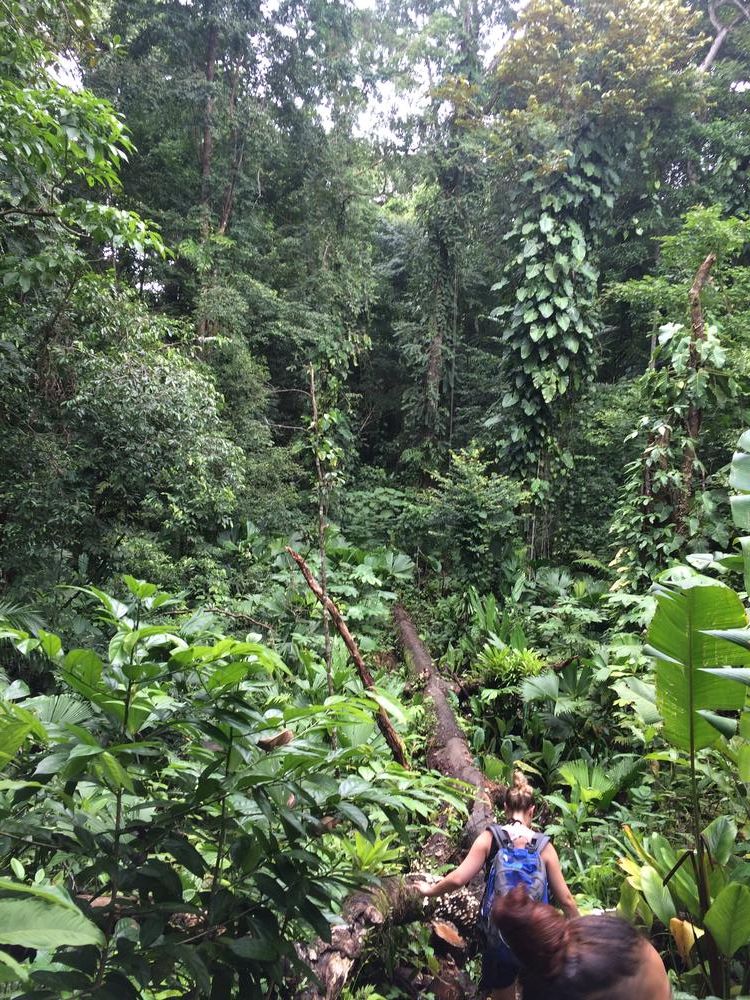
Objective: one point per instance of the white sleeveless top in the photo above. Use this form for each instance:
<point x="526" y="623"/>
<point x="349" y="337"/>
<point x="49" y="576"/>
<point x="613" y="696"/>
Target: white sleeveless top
<point x="517" y="830"/>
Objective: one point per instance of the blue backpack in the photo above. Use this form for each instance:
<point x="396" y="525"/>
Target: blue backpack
<point x="511" y="866"/>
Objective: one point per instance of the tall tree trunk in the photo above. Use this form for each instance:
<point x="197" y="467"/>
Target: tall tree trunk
<point x="207" y="144"/>
<point x="238" y="152"/>
<point x="434" y="372"/>
<point x="440" y="309"/>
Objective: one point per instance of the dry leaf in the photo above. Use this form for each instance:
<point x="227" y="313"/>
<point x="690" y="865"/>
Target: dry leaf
<point x="279" y="740"/>
<point x="685" y="935"/>
<point x="447" y="932"/>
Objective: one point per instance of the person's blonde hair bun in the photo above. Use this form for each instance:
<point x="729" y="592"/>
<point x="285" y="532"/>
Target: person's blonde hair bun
<point x="521" y="782"/>
<point x="520" y="794"/>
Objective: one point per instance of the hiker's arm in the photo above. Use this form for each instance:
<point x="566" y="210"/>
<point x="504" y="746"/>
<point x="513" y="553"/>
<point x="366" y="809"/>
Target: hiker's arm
<point x="465" y="872"/>
<point x="557" y="882"/>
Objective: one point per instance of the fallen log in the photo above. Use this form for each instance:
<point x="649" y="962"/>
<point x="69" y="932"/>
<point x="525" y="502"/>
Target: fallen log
<point x="395" y="902"/>
<point x="448" y="750"/>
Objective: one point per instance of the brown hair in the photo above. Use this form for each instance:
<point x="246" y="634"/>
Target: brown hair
<point x="581" y="959"/>
<point x="520" y="795"/>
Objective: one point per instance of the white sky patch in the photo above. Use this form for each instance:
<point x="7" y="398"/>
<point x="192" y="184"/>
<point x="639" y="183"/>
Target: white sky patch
<point x="67" y="73"/>
<point x="389" y="103"/>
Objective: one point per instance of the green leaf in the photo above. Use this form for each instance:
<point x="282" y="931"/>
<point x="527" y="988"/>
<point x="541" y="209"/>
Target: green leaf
<point x="545" y="687"/>
<point x="678" y="638"/>
<point x="739" y="675"/>
<point x="719" y="836"/>
<point x="13" y="733"/>
<point x="51" y="645"/>
<point x="48" y="893"/>
<point x="728" y="919"/>
<point x="739" y="474"/>
<point x="35" y="923"/>
<point x="741" y="511"/>
<point x="657" y="895"/>
<point x="546" y="223"/>
<point x="82" y="670"/>
<point x="252" y="949"/>
<point x="12" y="971"/>
<point x="727" y="727"/>
<point x="536" y="332"/>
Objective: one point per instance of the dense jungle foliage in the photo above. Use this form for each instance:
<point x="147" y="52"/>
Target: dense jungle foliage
<point x="452" y="297"/>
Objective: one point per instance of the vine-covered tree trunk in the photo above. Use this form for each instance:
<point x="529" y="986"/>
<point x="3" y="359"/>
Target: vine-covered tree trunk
<point x="694" y="415"/>
<point x="439" y="308"/>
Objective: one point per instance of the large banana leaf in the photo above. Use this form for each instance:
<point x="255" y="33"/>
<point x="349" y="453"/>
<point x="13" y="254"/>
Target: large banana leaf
<point x="739" y="479"/>
<point x="688" y="608"/>
<point x="729" y="918"/>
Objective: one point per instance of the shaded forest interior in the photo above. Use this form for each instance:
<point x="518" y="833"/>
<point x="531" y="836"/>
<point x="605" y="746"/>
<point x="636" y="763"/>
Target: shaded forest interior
<point x="374" y="383"/>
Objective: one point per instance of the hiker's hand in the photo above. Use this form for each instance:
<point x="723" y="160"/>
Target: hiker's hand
<point x="425" y="888"/>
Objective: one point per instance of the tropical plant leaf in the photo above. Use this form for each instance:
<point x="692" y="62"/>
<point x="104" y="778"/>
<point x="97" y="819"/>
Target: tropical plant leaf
<point x="11" y="971"/>
<point x="739" y="479"/>
<point x="589" y="779"/>
<point x="680" y="640"/>
<point x="728" y="919"/>
<point x="719" y="837"/>
<point x="36" y="923"/>
<point x="657" y="895"/>
<point x="21" y="616"/>
<point x="546" y="687"/>
<point x="726" y="726"/>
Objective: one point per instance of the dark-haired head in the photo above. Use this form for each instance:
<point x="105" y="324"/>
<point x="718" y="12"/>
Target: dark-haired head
<point x="588" y="958"/>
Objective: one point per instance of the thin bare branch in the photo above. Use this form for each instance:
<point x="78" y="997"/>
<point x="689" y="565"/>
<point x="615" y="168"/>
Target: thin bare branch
<point x="384" y="723"/>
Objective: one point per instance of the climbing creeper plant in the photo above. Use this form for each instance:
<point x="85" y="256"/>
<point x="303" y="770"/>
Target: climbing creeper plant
<point x="698" y="376"/>
<point x="552" y="318"/>
<point x="607" y="74"/>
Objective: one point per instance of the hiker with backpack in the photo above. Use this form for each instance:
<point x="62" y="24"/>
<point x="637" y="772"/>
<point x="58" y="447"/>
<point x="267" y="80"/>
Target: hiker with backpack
<point x="513" y="855"/>
<point x="588" y="958"/>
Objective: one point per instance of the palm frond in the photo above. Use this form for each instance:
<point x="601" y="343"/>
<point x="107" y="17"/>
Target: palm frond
<point x="21" y="616"/>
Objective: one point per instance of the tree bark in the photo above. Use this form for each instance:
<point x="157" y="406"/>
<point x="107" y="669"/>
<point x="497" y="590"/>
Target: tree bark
<point x="238" y="145"/>
<point x="723" y="30"/>
<point x="207" y="145"/>
<point x="393" y="904"/>
<point x="322" y="525"/>
<point x="448" y="750"/>
<point x="384" y="723"/>
<point x="434" y="372"/>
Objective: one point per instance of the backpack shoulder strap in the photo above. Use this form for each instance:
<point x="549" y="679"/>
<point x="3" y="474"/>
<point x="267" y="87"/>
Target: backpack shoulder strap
<point x="502" y="834"/>
<point x="500" y="839"/>
<point x="539" y="842"/>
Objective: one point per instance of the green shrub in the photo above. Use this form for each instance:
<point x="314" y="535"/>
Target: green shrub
<point x="505" y="667"/>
